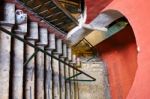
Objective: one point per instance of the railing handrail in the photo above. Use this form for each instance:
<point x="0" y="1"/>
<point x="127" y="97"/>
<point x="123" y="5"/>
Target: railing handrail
<point x="39" y="49"/>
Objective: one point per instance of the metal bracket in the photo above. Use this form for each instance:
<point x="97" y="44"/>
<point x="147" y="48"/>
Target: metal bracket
<point x="81" y="80"/>
<point x="30" y="58"/>
<point x="75" y="75"/>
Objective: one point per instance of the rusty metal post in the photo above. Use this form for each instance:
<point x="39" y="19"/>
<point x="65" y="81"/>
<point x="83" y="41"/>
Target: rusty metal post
<point x="73" y="72"/>
<point x="76" y="87"/>
<point x="48" y="82"/>
<point x="70" y="72"/>
<point x="56" y="69"/>
<point x="72" y="83"/>
<point x="55" y="65"/>
<point x="67" y="82"/>
<point x="18" y="55"/>
<point x="62" y="79"/>
<point x="43" y="35"/>
<point x="62" y="71"/>
<point x="65" y="55"/>
<point x="5" y="48"/>
<point x="30" y="66"/>
<point x="74" y="91"/>
<point x="78" y="63"/>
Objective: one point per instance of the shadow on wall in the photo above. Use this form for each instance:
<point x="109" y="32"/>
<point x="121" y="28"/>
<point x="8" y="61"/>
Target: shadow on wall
<point x="120" y="54"/>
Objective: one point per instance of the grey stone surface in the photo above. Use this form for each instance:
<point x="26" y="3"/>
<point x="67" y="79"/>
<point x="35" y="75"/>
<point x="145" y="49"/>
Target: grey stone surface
<point x="93" y="90"/>
<point x="55" y="66"/>
<point x="5" y="39"/>
<point x="48" y="78"/>
<point x="29" y="72"/>
<point x="18" y="59"/>
<point x="40" y="74"/>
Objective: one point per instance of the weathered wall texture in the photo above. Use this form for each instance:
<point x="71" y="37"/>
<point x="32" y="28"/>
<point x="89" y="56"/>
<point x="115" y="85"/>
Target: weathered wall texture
<point x="120" y="54"/>
<point x="94" y="7"/>
<point x="137" y="13"/>
<point x="92" y="90"/>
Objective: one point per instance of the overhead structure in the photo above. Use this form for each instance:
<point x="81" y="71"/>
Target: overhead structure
<point x="74" y="7"/>
<point x="56" y="13"/>
<point x="37" y="61"/>
<point x="101" y="24"/>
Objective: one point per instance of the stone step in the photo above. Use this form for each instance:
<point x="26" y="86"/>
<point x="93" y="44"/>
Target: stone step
<point x="26" y="72"/>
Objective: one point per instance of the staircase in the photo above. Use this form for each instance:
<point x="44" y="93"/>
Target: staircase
<point x="36" y="63"/>
<point x="33" y="61"/>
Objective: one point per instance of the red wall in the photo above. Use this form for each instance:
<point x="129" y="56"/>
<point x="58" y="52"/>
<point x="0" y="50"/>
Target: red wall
<point x="120" y="54"/>
<point x="138" y="14"/>
<point x="94" y="7"/>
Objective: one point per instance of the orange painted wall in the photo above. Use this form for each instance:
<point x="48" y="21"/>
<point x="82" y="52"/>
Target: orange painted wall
<point x="120" y="54"/>
<point x="138" y="14"/>
<point x="94" y="7"/>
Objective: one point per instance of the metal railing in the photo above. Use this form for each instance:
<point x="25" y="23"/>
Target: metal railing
<point x="45" y="52"/>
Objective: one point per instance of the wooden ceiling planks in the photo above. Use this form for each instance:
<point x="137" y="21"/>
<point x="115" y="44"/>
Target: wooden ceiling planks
<point x="53" y="13"/>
